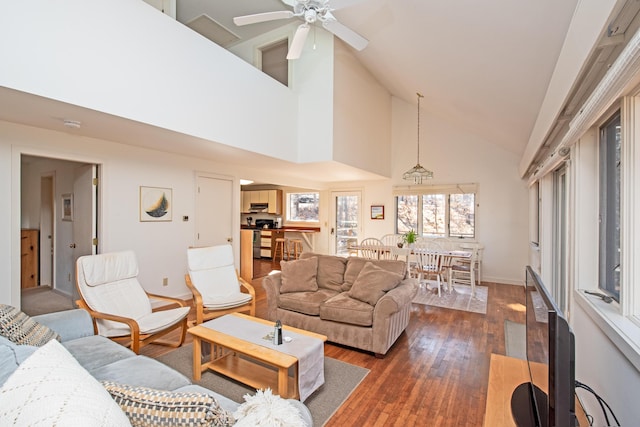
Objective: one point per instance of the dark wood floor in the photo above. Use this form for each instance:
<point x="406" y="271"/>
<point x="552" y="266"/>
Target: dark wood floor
<point x="435" y="374"/>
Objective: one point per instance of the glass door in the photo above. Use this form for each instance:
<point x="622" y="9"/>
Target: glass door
<point x="346" y="220"/>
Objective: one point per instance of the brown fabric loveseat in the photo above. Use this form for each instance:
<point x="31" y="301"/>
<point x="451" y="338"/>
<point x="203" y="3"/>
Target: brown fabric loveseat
<point x="354" y="301"/>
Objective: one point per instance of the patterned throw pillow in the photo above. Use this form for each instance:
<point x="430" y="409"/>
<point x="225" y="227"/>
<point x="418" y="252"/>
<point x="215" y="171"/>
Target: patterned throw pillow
<point x="19" y="328"/>
<point x="148" y="407"/>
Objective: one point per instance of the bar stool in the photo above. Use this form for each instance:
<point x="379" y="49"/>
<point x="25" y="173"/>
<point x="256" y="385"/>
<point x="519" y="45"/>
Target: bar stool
<point x="282" y="245"/>
<point x="295" y="246"/>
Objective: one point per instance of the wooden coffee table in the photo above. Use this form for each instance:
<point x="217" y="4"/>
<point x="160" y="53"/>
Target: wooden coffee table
<point x="251" y="364"/>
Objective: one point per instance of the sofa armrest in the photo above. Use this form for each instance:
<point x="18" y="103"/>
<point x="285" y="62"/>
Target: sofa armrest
<point x="271" y="284"/>
<point x="69" y="324"/>
<point x="397" y="298"/>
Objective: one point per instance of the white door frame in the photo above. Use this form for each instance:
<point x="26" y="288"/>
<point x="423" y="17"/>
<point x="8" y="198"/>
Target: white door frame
<point x="333" y="219"/>
<point x="16" y="195"/>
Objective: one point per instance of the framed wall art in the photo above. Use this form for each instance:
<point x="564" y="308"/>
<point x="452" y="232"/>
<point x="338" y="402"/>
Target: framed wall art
<point x="377" y="211"/>
<point x="67" y="207"/>
<point x="156" y="204"/>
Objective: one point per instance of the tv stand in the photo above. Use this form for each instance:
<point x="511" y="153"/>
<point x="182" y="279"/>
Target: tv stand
<point x="505" y="375"/>
<point x="522" y="406"/>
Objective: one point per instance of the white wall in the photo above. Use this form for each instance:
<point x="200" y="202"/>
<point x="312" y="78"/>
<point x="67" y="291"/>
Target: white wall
<point x="160" y="246"/>
<point x="310" y="80"/>
<point x="362" y="115"/>
<point x="98" y="54"/>
<point x="456" y="156"/>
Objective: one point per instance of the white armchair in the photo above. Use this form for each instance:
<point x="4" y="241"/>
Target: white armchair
<point x="120" y="307"/>
<point x="215" y="283"/>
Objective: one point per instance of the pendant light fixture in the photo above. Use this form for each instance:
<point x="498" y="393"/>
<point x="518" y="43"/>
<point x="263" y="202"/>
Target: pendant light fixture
<point x="418" y="174"/>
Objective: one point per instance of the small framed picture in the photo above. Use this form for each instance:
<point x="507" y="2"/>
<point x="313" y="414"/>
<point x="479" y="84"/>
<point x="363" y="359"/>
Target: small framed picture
<point x="156" y="204"/>
<point x="67" y="207"/>
<point x="377" y="211"/>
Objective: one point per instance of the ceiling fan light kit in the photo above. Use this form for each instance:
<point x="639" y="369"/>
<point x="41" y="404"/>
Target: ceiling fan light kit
<point x="418" y="174"/>
<point x="310" y="11"/>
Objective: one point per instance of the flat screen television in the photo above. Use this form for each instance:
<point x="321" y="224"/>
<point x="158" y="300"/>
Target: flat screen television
<point x="548" y="399"/>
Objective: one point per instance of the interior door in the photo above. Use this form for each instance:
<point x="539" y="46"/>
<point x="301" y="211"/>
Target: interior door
<point x="84" y="240"/>
<point x="346" y="220"/>
<point x="214" y="210"/>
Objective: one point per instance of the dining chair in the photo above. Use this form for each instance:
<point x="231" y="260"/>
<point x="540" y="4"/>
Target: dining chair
<point x="120" y="307"/>
<point x="464" y="272"/>
<point x="392" y="240"/>
<point x="371" y="248"/>
<point x="215" y="283"/>
<point x="430" y="265"/>
<point x="478" y="260"/>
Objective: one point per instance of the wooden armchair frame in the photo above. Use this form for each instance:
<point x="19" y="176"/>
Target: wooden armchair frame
<point x="203" y="313"/>
<point x="137" y="340"/>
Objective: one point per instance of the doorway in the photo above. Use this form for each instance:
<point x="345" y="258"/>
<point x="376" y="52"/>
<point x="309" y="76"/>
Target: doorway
<point x="59" y="198"/>
<point x="346" y="220"/>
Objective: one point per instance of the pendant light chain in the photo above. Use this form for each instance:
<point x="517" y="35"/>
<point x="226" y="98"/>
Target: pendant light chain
<point x="418" y="174"/>
<point x="419" y="97"/>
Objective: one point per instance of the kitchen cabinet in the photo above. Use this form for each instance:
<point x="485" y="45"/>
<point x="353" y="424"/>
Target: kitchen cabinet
<point x="265" y="243"/>
<point x="271" y="197"/>
<point x="246" y="201"/>
<point x="246" y="255"/>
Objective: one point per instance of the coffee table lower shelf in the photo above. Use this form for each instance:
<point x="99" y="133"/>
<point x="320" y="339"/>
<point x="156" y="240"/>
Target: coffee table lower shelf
<point x="255" y="374"/>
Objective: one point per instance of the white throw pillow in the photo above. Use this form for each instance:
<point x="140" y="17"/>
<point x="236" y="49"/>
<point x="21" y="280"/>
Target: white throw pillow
<point x="51" y="388"/>
<point x="265" y="409"/>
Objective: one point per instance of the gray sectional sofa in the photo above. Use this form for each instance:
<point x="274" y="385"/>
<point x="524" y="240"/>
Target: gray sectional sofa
<point x="354" y="301"/>
<point x="106" y="360"/>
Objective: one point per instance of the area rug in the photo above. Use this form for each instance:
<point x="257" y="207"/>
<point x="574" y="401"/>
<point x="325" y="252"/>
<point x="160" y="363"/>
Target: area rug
<point x="459" y="299"/>
<point x="341" y="379"/>
<point x="515" y="340"/>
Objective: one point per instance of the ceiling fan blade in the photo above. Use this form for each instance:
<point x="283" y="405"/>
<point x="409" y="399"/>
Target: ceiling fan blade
<point x="298" y="41"/>
<point x="346" y="34"/>
<point x="290" y="2"/>
<point x="262" y="17"/>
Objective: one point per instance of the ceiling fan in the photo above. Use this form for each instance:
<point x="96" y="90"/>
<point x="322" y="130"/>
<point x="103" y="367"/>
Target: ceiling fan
<point x="311" y="11"/>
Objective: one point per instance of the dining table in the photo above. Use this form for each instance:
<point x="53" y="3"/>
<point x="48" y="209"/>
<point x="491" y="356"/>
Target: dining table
<point x="408" y="251"/>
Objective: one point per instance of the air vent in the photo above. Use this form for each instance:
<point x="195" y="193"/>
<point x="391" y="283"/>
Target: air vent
<point x="209" y="28"/>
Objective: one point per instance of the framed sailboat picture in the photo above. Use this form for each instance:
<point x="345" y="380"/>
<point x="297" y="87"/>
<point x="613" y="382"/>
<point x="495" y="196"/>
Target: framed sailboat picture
<point x="156" y="204"/>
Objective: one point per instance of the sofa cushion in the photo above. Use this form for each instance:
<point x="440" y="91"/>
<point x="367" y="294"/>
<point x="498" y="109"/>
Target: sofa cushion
<point x="299" y="275"/>
<point x="22" y="329"/>
<point x="330" y="270"/>
<point x="148" y="407"/>
<point x="97" y="351"/>
<point x="305" y="302"/>
<point x="372" y="283"/>
<point x="142" y="371"/>
<point x="355" y="264"/>
<point x="51" y="388"/>
<point x="342" y="308"/>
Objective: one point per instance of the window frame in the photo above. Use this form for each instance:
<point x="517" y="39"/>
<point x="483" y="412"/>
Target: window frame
<point x="609" y="176"/>
<point x="287" y="195"/>
<point x="447" y="191"/>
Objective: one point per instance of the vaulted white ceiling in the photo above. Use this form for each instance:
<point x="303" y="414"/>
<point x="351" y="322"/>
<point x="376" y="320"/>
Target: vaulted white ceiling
<point x="483" y="65"/>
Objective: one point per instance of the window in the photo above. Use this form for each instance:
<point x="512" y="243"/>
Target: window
<point x="303" y="207"/>
<point x="274" y="61"/>
<point x="444" y="211"/>
<point x="609" y="218"/>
